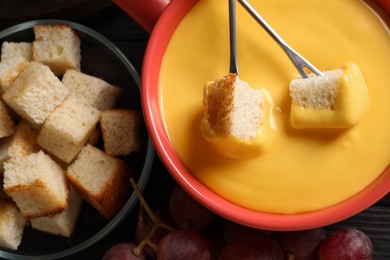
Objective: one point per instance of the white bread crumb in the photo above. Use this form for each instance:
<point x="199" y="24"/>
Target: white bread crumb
<point x="317" y="92"/>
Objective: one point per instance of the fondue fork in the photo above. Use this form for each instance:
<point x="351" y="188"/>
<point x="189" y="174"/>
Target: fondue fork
<point x="232" y="37"/>
<point x="298" y="60"/>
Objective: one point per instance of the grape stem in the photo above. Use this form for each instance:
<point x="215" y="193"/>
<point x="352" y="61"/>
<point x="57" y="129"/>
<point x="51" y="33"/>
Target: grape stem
<point x="157" y="222"/>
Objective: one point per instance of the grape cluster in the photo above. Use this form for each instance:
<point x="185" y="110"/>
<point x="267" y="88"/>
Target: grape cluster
<point x="190" y="231"/>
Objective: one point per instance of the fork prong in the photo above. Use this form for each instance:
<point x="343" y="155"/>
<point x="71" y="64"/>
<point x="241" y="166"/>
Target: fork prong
<point x="299" y="62"/>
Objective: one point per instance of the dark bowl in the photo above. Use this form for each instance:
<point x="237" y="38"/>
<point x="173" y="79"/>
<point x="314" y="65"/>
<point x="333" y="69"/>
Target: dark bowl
<point x="103" y="59"/>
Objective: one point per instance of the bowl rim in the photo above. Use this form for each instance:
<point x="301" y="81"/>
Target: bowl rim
<point x="149" y="157"/>
<point x="158" y="42"/>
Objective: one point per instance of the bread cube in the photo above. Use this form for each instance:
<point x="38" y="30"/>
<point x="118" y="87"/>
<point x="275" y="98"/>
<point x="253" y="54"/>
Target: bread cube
<point x="68" y="129"/>
<point x="37" y="184"/>
<point x="121" y="131"/>
<point x="7" y="125"/>
<point x="35" y="93"/>
<point x="93" y="90"/>
<point x="9" y="71"/>
<point x="12" y="50"/>
<point x="15" y="56"/>
<point x="337" y="99"/>
<point x="64" y="223"/>
<point x="235" y="120"/>
<point x="102" y="180"/>
<point x="12" y="225"/>
<point x="56" y="46"/>
<point x="22" y="142"/>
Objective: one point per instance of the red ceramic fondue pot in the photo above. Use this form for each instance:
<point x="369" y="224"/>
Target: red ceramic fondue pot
<point x="160" y="18"/>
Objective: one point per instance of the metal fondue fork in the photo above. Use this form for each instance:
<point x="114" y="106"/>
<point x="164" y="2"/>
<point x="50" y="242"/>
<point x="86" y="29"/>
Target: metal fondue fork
<point x="232" y="37"/>
<point x="299" y="62"/>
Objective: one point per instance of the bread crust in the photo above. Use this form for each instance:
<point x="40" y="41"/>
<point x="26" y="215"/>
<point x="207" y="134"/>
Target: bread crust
<point x="23" y="193"/>
<point x="218" y="104"/>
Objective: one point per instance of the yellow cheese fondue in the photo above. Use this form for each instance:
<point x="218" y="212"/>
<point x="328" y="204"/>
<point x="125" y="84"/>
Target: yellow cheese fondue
<point x="304" y="170"/>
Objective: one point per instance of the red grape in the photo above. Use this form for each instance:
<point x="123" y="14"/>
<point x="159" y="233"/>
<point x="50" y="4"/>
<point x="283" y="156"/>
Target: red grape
<point x="186" y="212"/>
<point x="346" y="243"/>
<point x="303" y="245"/>
<point x="232" y="231"/>
<point x="183" y="244"/>
<point x="143" y="229"/>
<point x="253" y="246"/>
<point x="213" y="235"/>
<point x="122" y="251"/>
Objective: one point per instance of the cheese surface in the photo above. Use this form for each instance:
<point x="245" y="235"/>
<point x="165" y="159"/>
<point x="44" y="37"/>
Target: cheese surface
<point x="304" y="170"/>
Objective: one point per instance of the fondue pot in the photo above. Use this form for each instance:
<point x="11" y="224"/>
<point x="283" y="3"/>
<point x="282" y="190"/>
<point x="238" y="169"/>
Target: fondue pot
<point x="160" y="18"/>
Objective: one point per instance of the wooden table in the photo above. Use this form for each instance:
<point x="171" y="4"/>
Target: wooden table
<point x="112" y="22"/>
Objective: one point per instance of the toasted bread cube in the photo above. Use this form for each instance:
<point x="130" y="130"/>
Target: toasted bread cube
<point x="7" y="125"/>
<point x="102" y="180"/>
<point x="64" y="223"/>
<point x="35" y="93"/>
<point x="235" y="121"/>
<point x="56" y="46"/>
<point x="9" y="71"/>
<point x="121" y="131"/>
<point x="22" y="142"/>
<point x="232" y="108"/>
<point x="37" y="184"/>
<point x="93" y="90"/>
<point x="12" y="225"/>
<point x="15" y="56"/>
<point x="12" y="50"/>
<point x="337" y="99"/>
<point x="68" y="129"/>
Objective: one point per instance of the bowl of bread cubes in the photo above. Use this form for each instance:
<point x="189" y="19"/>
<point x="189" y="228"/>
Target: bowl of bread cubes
<point x="71" y="137"/>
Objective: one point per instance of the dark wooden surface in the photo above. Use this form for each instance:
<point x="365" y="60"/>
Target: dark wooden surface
<point x="109" y="20"/>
